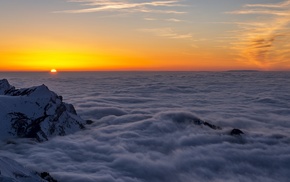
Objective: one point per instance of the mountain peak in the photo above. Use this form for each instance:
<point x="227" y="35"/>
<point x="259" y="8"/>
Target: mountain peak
<point x="35" y="112"/>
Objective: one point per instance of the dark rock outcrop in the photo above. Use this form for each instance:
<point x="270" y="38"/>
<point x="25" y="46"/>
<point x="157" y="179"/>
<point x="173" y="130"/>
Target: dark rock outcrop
<point x="46" y="176"/>
<point x="211" y="126"/>
<point x="236" y="132"/>
<point x="89" y="122"/>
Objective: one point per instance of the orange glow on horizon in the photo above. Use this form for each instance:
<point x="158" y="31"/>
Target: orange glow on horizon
<point x="32" y="59"/>
<point x="85" y="62"/>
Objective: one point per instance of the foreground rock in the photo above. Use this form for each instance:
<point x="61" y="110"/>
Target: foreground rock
<point x="35" y="112"/>
<point x="12" y="171"/>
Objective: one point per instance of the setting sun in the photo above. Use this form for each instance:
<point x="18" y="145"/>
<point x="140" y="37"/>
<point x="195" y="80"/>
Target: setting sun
<point x="53" y="71"/>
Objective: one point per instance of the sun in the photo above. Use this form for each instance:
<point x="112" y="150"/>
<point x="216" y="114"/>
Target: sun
<point x="53" y="71"/>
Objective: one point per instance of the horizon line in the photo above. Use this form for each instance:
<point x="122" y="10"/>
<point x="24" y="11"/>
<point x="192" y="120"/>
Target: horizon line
<point x="60" y="71"/>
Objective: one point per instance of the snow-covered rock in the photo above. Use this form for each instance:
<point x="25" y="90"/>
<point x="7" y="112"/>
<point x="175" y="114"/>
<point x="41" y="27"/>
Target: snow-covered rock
<point x="5" y="86"/>
<point x="12" y="171"/>
<point x="35" y="112"/>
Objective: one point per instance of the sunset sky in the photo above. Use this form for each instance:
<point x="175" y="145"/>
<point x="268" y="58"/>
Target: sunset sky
<point x="77" y="35"/>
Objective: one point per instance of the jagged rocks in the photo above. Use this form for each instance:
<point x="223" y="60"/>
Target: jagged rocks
<point x="35" y="112"/>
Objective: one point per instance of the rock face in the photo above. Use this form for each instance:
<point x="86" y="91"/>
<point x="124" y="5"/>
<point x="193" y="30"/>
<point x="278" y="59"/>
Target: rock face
<point x="35" y="112"/>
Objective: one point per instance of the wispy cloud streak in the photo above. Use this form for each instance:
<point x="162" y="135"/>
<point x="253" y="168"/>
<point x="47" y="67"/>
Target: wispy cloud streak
<point x="278" y="5"/>
<point x="261" y="12"/>
<point x="167" y="32"/>
<point x="171" y="8"/>
<point x="264" y="43"/>
<point x="91" y="6"/>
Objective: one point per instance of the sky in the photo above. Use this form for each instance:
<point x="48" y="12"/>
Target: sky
<point x="186" y="35"/>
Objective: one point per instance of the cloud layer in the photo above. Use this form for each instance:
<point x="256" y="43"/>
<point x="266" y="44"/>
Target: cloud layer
<point x="143" y="129"/>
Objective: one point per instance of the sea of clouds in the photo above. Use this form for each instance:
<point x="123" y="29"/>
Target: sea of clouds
<point x="143" y="127"/>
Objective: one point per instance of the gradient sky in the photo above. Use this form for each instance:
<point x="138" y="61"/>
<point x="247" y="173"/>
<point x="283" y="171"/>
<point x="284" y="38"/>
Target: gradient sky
<point x="144" y="35"/>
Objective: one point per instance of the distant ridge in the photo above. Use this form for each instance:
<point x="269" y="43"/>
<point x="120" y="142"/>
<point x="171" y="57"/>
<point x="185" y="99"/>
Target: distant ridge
<point x="242" y="71"/>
